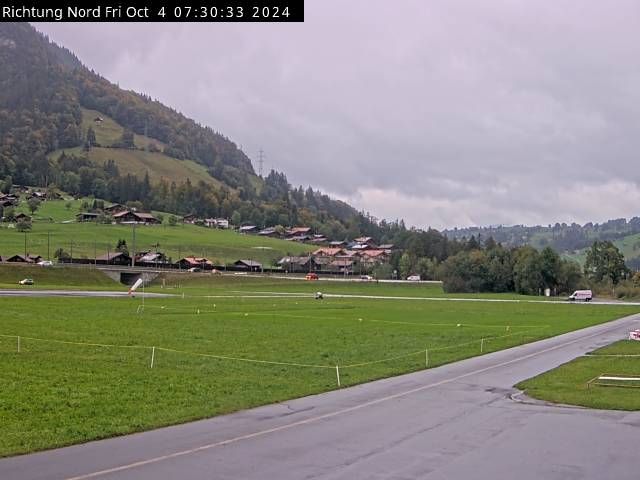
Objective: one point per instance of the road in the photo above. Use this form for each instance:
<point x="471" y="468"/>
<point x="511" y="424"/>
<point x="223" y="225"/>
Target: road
<point x="458" y="421"/>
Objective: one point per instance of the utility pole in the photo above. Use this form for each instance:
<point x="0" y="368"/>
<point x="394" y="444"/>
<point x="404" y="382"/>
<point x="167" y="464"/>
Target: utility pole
<point x="260" y="161"/>
<point x="133" y="250"/>
<point x="49" y="245"/>
<point x="25" y="246"/>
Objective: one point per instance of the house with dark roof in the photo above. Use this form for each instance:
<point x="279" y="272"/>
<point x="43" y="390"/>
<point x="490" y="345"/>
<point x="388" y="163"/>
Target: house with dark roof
<point x="87" y="217"/>
<point x="298" y="231"/>
<point x="29" y="258"/>
<point x="248" y="229"/>
<point x="298" y="264"/>
<point x="342" y="265"/>
<point x="191" y="218"/>
<point x="269" y="232"/>
<point x="249" y="265"/>
<point x="115" y="208"/>
<point x="127" y="216"/>
<point x="216" y="222"/>
<point x="151" y="258"/>
<point x="114" y="258"/>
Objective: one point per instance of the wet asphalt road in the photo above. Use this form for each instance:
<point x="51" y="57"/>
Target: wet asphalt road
<point x="458" y="421"/>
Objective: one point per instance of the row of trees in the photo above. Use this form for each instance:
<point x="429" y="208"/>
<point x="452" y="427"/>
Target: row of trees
<point x="494" y="268"/>
<point x="497" y="269"/>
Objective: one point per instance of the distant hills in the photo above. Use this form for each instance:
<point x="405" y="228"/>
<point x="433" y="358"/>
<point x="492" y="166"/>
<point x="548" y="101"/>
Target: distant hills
<point x="570" y="239"/>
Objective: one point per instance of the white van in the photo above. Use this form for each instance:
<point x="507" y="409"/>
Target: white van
<point x="585" y="295"/>
<point x="413" y="278"/>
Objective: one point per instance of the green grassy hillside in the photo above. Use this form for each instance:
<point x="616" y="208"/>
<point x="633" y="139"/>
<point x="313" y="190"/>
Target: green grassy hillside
<point x="629" y="246"/>
<point x="108" y="131"/>
<point x="136" y="162"/>
<point x="54" y="227"/>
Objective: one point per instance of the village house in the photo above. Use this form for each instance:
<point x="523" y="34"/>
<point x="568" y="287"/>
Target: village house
<point x="249" y="265"/>
<point x="318" y="239"/>
<point x="298" y="264"/>
<point x="374" y="257"/>
<point x="87" y="217"/>
<point x="298" y="231"/>
<point x="191" y="219"/>
<point x="269" y="232"/>
<point x="194" y="262"/>
<point x="328" y="252"/>
<point x="248" y="229"/>
<point x="114" y="258"/>
<point x="29" y="258"/>
<point x="150" y="258"/>
<point x="342" y="266"/>
<point x="216" y="222"/>
<point x="127" y="216"/>
<point x="366" y="241"/>
<point x="115" y="208"/>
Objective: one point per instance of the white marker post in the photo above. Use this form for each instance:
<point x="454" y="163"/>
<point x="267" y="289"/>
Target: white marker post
<point x="338" y="374"/>
<point x="153" y="355"/>
<point x="18" y="344"/>
<point x="426" y="358"/>
<point x="481" y="345"/>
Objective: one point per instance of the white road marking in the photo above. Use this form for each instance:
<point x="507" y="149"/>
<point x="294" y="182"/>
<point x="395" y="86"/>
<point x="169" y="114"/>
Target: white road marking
<point x="332" y="414"/>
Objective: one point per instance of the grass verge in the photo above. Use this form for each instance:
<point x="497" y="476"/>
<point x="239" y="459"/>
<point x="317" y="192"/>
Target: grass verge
<point x="569" y="383"/>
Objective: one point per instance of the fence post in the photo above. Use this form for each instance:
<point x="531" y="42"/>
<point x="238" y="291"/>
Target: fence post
<point x="426" y="358"/>
<point x="338" y="374"/>
<point x="18" y="344"/>
<point x="481" y="345"/>
<point x="153" y="355"/>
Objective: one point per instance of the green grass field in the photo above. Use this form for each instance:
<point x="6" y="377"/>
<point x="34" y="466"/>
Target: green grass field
<point x="215" y="345"/>
<point x="53" y="277"/>
<point x="49" y="233"/>
<point x="569" y="383"/>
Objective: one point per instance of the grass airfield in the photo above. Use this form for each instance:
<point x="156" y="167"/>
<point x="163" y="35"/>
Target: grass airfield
<point x="225" y="343"/>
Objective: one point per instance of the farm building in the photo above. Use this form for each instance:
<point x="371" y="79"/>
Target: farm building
<point x="23" y="259"/>
<point x="298" y="264"/>
<point x="114" y="258"/>
<point x="249" y="265"/>
<point x="128" y="216"/>
<point x="87" y="217"/>
<point x="194" y="262"/>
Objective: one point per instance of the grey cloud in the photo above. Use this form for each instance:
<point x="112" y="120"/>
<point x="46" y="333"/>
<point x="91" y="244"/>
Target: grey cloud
<point x="444" y="113"/>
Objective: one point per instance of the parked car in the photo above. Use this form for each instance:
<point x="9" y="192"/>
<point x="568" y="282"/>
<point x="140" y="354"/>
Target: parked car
<point x="195" y="269"/>
<point x="46" y="263"/>
<point x="413" y="278"/>
<point x="26" y="281"/>
<point x="311" y="276"/>
<point x="366" y="278"/>
<point x="585" y="295"/>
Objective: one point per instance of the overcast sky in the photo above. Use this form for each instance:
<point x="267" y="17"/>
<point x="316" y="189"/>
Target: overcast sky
<point x="444" y="113"/>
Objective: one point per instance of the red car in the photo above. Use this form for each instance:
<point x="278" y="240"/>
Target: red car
<point x="311" y="276"/>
